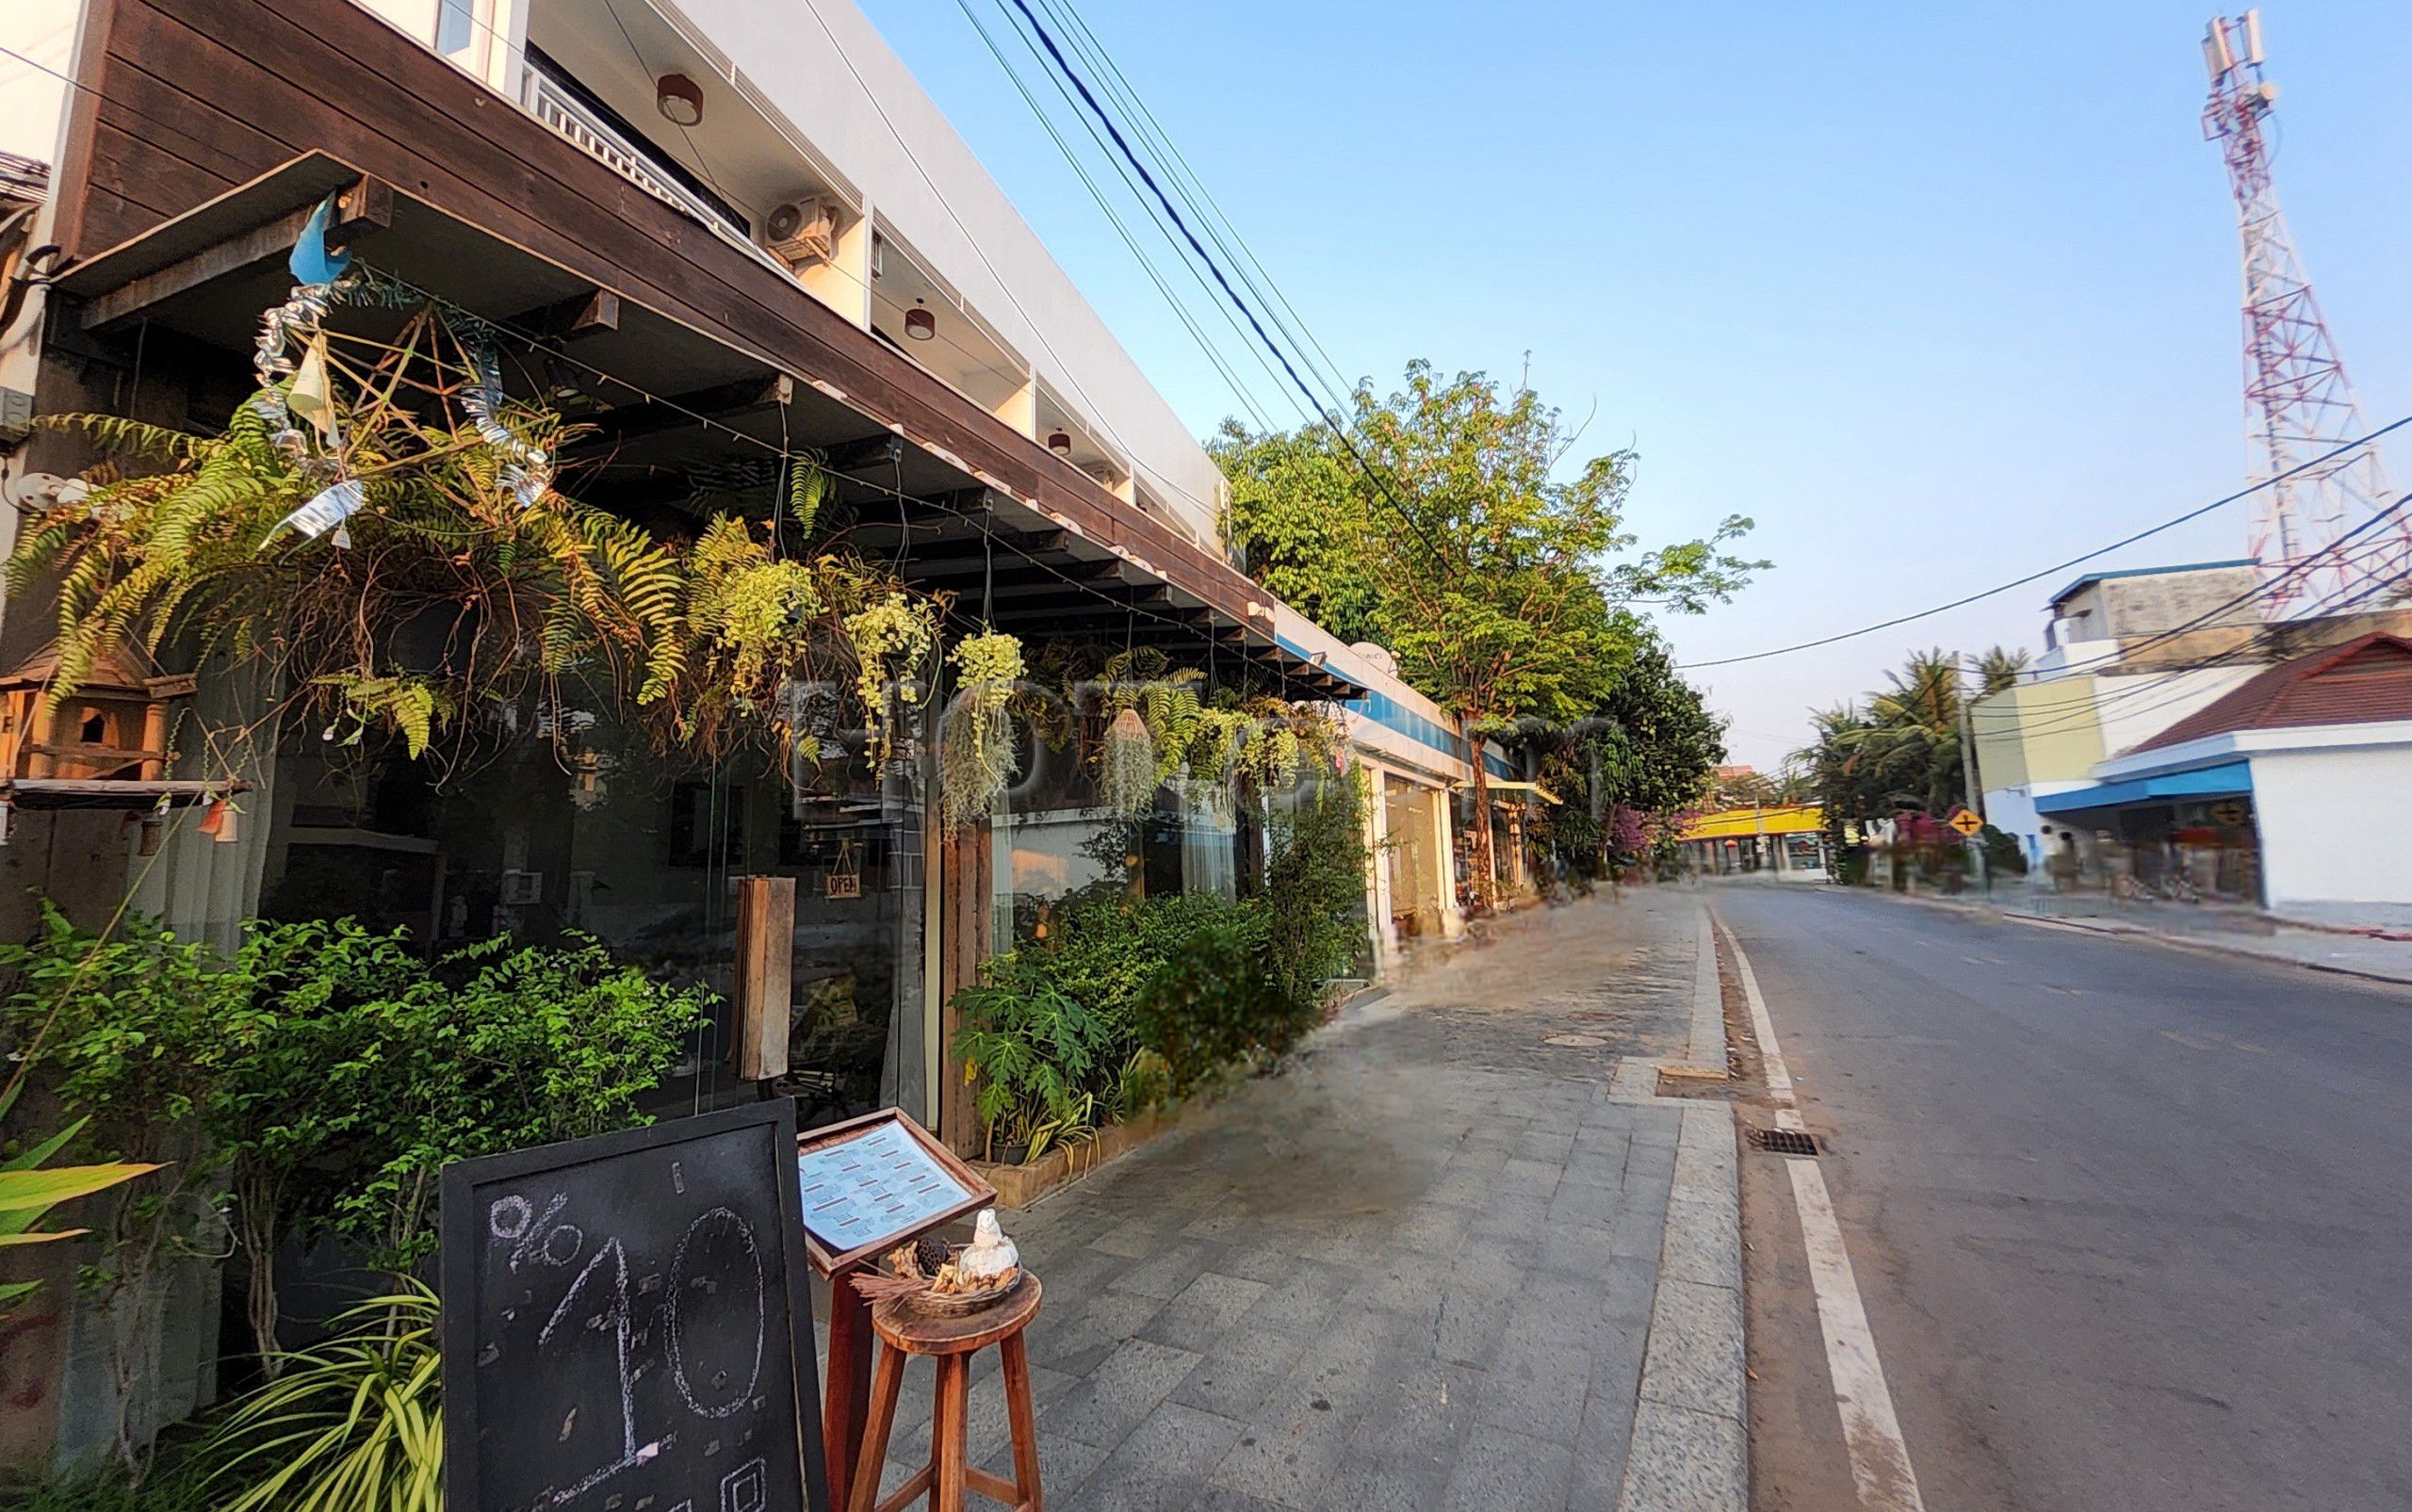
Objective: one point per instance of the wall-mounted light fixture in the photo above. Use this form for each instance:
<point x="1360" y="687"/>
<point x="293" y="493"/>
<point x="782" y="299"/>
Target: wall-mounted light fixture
<point x="919" y="323"/>
<point x="679" y="99"/>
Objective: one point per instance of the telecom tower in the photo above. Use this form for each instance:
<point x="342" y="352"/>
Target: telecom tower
<point x="2298" y="402"/>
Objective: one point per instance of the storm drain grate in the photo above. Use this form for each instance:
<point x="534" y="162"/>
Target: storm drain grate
<point x="1784" y="1140"/>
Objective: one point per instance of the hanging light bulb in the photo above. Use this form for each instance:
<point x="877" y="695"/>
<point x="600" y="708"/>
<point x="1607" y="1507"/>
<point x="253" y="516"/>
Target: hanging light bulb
<point x="1060" y="442"/>
<point x="679" y="99"/>
<point x="919" y="323"/>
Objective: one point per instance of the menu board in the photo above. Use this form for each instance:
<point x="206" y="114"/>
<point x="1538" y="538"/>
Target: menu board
<point x="872" y="1182"/>
<point x="625" y="1324"/>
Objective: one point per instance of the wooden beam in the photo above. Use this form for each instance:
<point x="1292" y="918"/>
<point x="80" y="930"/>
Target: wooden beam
<point x="765" y="956"/>
<point x="883" y="449"/>
<point x="580" y="315"/>
<point x="722" y="401"/>
<point x="367" y="205"/>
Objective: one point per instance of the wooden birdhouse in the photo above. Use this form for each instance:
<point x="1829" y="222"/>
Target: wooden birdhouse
<point x="112" y="729"/>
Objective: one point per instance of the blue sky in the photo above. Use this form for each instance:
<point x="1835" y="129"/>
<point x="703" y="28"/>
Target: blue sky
<point x="1939" y="295"/>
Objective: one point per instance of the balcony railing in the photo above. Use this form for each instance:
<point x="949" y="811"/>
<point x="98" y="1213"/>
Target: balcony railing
<point x="552" y="102"/>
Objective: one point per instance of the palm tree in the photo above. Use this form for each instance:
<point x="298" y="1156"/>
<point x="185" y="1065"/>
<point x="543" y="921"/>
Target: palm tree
<point x="1999" y="668"/>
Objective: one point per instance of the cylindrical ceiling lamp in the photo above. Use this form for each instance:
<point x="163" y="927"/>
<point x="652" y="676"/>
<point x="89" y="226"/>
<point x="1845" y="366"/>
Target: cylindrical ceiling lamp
<point x="1060" y="443"/>
<point x="919" y="323"/>
<point x="679" y="99"/>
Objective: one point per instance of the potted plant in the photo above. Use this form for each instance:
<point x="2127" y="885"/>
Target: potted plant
<point x="1034" y="1051"/>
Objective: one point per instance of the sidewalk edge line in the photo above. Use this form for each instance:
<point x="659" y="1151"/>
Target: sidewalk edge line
<point x="1880" y="1457"/>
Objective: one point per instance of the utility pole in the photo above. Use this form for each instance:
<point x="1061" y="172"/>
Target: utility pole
<point x="1968" y="777"/>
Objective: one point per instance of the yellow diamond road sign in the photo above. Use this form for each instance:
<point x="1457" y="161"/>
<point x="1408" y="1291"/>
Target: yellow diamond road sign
<point x="1966" y="822"/>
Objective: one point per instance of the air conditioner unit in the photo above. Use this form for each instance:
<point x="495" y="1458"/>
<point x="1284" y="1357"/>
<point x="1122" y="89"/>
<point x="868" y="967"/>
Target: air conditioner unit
<point x="800" y="232"/>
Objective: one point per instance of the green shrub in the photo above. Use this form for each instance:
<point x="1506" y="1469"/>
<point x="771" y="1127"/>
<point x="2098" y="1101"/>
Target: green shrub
<point x="1213" y="1002"/>
<point x="1039" y="1055"/>
<point x="1315" y="899"/>
<point x="328" y="1072"/>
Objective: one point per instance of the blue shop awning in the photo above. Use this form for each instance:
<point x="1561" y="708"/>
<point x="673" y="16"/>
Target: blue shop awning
<point x="2205" y="782"/>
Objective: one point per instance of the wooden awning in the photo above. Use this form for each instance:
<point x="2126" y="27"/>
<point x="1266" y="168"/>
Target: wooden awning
<point x="457" y="191"/>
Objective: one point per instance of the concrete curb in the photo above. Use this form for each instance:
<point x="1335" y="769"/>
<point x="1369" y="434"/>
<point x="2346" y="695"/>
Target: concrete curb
<point x="1690" y="1447"/>
<point x="1637" y="1076"/>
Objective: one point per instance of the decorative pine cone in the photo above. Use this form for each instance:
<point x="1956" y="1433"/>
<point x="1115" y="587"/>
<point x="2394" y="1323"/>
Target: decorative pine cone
<point x="930" y="1253"/>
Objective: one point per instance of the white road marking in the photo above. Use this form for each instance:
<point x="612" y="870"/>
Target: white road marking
<point x="1880" y="1460"/>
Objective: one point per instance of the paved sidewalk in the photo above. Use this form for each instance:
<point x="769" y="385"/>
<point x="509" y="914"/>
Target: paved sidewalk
<point x="1418" y="1269"/>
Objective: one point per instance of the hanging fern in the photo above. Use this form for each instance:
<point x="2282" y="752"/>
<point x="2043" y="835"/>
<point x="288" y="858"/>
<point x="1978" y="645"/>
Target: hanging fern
<point x="809" y="485"/>
<point x="524" y="595"/>
<point x="1127" y="777"/>
<point x="976" y="757"/>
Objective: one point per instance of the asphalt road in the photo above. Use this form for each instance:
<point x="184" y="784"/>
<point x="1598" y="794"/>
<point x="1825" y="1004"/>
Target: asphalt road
<point x="2130" y="1223"/>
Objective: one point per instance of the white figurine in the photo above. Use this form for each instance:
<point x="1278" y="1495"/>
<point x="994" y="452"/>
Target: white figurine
<point x="991" y="1254"/>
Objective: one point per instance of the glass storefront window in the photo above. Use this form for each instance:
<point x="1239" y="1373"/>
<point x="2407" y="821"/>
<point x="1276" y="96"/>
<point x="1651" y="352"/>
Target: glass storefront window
<point x="602" y="836"/>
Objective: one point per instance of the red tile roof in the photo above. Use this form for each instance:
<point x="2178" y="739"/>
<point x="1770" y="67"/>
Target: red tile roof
<point x="2363" y="681"/>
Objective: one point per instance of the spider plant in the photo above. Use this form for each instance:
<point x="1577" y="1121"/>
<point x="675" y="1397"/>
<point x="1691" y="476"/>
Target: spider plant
<point x="354" y="1426"/>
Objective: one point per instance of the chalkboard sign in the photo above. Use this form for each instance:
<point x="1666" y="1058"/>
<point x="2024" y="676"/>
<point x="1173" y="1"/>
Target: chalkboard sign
<point x="627" y="1326"/>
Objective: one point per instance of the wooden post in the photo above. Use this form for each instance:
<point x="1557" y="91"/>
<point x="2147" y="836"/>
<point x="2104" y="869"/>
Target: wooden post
<point x="845" y="1407"/>
<point x="765" y="965"/>
<point x="155" y="740"/>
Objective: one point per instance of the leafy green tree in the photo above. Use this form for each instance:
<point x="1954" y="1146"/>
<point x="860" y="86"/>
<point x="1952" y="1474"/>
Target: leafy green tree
<point x="1496" y="568"/>
<point x="1900" y="748"/>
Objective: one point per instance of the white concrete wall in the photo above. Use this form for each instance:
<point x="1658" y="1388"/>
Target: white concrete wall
<point x="2135" y="707"/>
<point x="2326" y="833"/>
<point x="825" y="67"/>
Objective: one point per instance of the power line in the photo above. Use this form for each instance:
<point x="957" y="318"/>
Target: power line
<point x="2057" y="567"/>
<point x="1177" y="169"/>
<point x="1106" y="118"/>
<point x="1180" y="310"/>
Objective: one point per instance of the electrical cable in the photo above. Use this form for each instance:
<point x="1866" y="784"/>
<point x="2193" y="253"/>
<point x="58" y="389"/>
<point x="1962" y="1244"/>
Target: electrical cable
<point x="1246" y="399"/>
<point x="1080" y="85"/>
<point x="2057" y="567"/>
<point x="1168" y="155"/>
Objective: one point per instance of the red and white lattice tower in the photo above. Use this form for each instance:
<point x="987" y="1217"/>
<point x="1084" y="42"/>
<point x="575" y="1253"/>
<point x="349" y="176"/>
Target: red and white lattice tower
<point x="2314" y="533"/>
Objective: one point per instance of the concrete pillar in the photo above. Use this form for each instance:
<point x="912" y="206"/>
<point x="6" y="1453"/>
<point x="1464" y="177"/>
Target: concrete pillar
<point x="1377" y="865"/>
<point x="1453" y="919"/>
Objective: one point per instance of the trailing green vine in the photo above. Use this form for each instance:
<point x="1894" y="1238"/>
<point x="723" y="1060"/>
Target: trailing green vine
<point x="892" y="639"/>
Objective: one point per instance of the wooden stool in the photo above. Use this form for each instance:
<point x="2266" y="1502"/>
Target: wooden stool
<point x="952" y="1342"/>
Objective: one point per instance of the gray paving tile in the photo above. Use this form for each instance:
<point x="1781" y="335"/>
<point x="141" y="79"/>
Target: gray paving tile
<point x="1122" y="1389"/>
<point x="1077" y="1337"/>
<point x="1204" y="1310"/>
<point x="1501" y="1470"/>
<point x="1537" y="1391"/>
<point x="1065" y="1466"/>
<point x="1162" y="1464"/>
<point x="1170" y="1269"/>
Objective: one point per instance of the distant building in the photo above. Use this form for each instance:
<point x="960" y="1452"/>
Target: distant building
<point x="2271" y="791"/>
<point x="2132" y="661"/>
<point x="1785" y="840"/>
